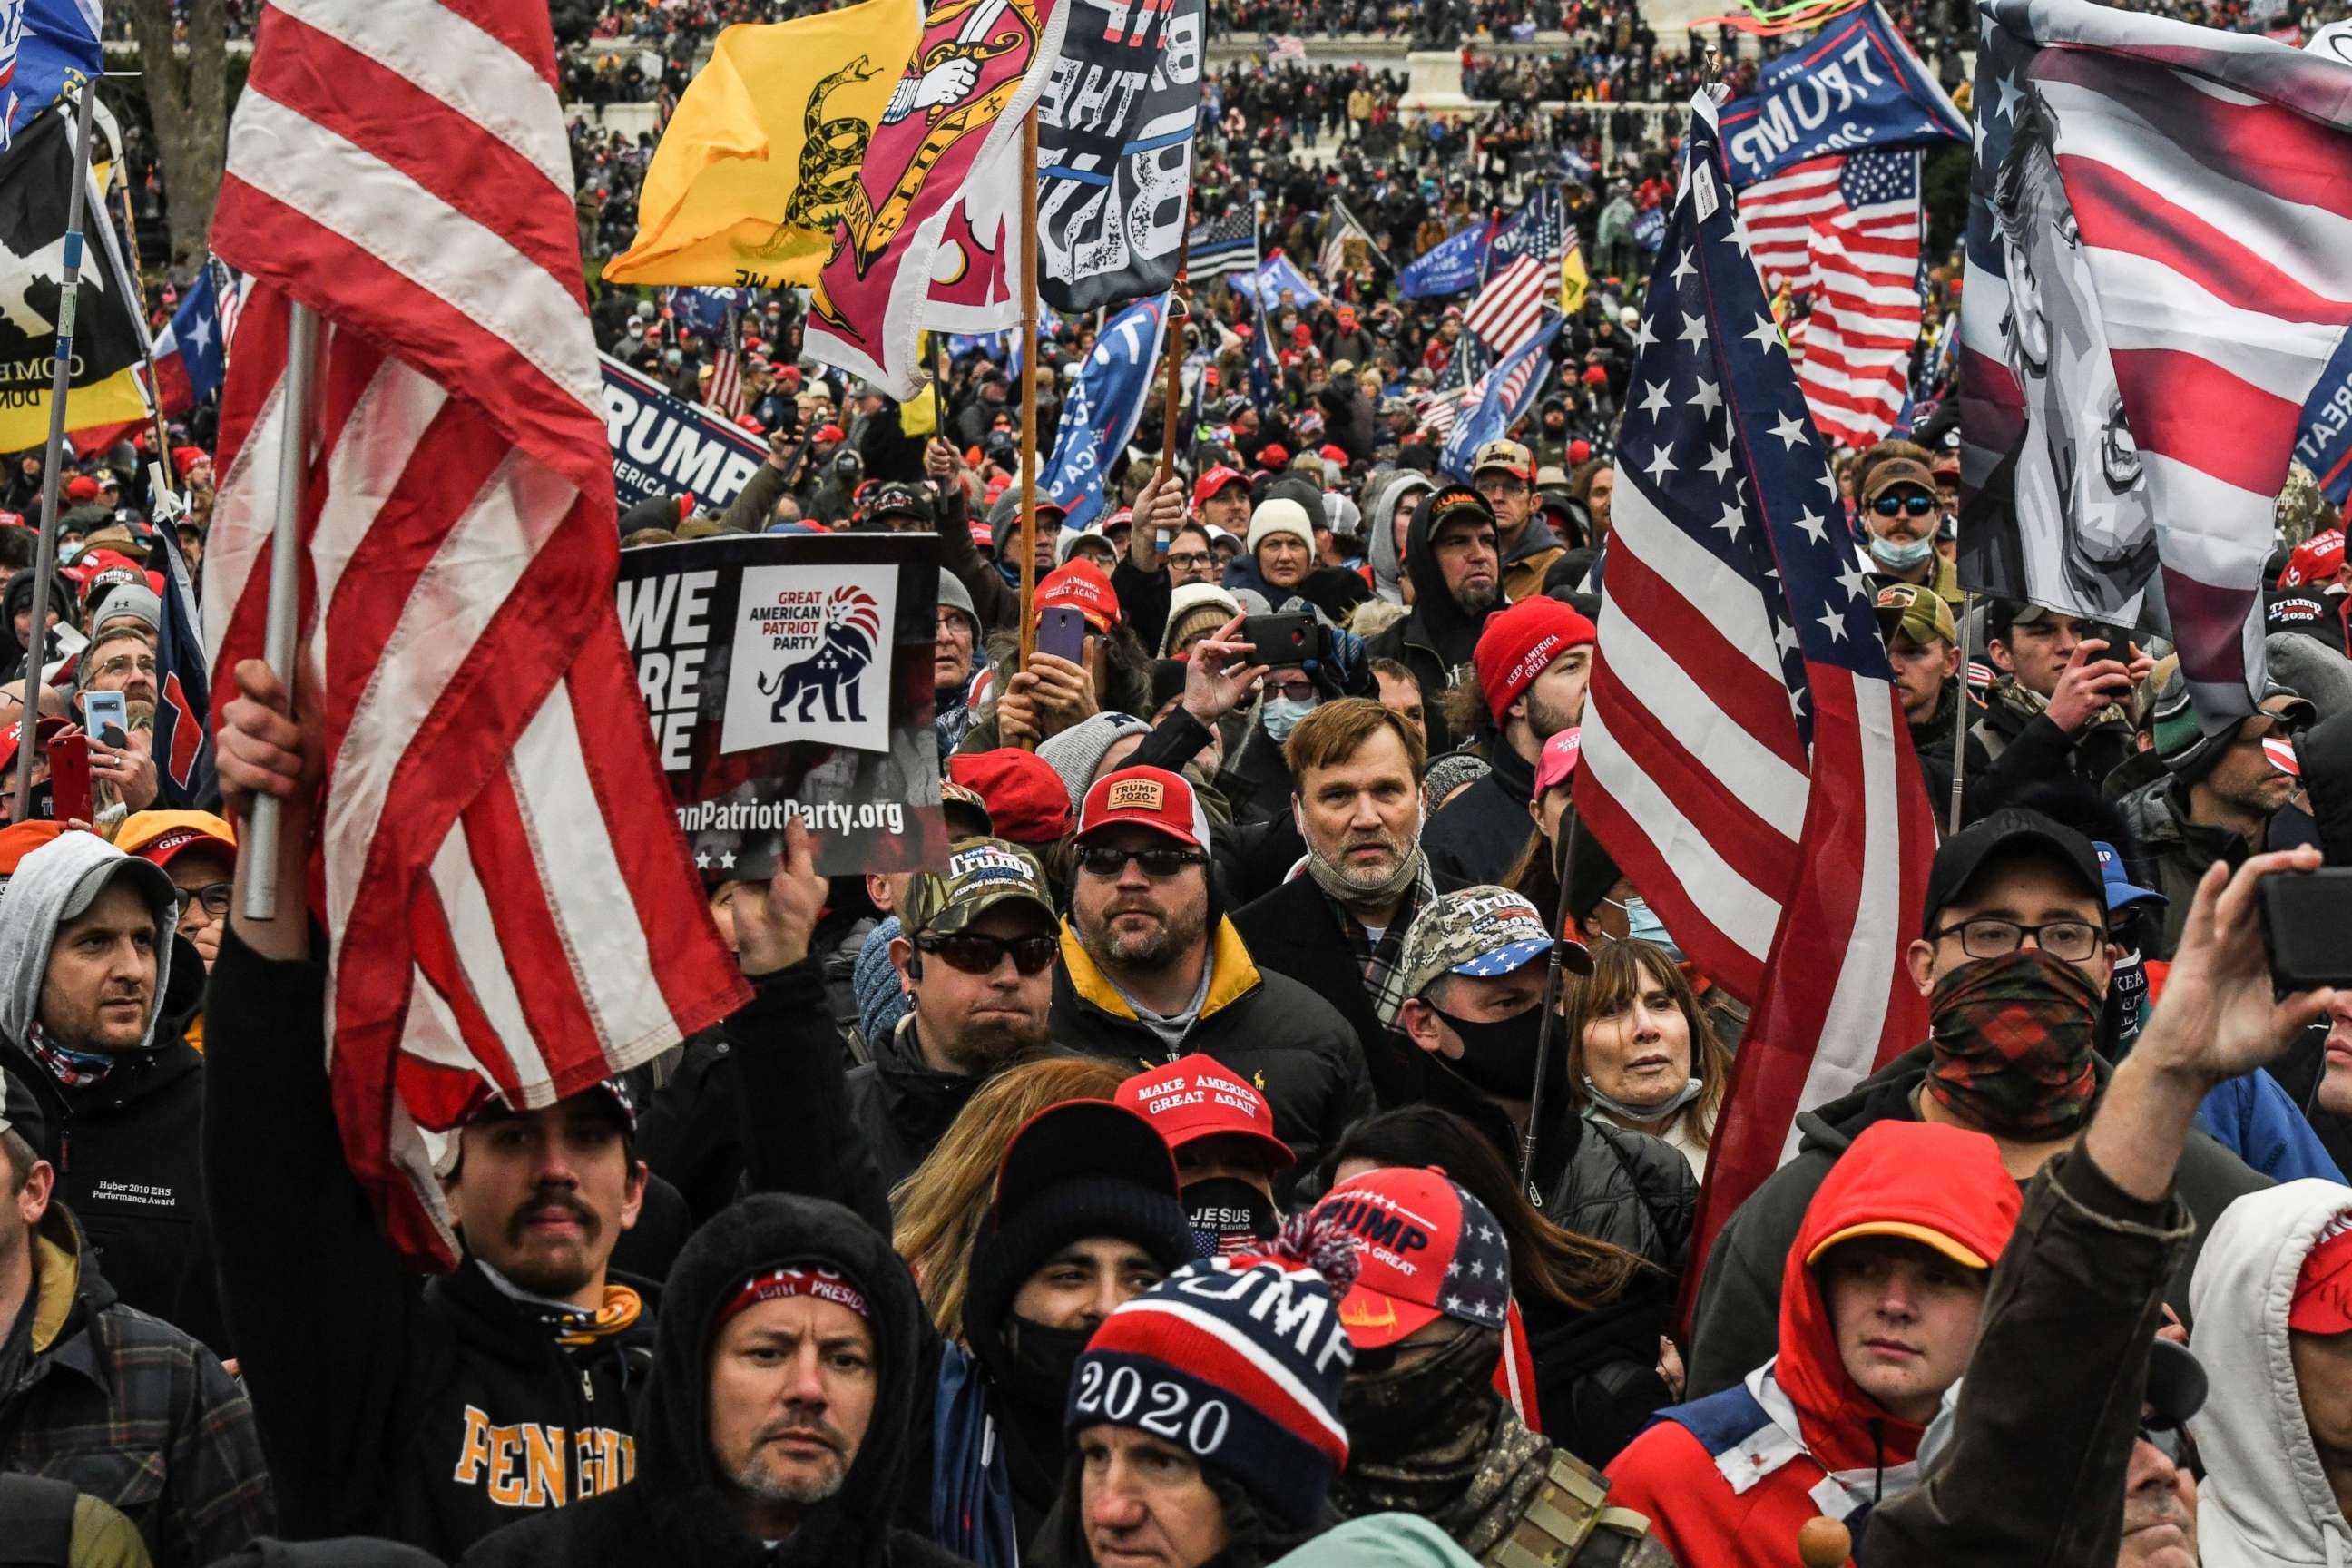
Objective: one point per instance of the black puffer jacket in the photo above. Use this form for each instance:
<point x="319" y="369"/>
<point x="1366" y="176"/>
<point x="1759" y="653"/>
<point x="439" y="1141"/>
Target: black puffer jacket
<point x="1478" y="835"/>
<point x="902" y="1106"/>
<point x="676" y="1511"/>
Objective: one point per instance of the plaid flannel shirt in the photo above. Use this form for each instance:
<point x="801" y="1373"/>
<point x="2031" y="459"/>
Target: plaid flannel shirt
<point x="132" y="1411"/>
<point x="1383" y="980"/>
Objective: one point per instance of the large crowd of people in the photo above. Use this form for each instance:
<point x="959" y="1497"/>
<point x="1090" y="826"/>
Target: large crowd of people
<point x="1274" y="1131"/>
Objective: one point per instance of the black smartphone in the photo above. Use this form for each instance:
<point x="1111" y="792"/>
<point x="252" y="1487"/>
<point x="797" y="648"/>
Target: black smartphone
<point x="2307" y="926"/>
<point x="1280" y="640"/>
<point x="1062" y="632"/>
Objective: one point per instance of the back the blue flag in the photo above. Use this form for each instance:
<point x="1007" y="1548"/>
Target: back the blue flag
<point x="1449" y="267"/>
<point x="46" y="46"/>
<point x="1857" y="85"/>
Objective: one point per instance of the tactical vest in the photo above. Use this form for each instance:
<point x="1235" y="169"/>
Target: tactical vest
<point x="1569" y="1521"/>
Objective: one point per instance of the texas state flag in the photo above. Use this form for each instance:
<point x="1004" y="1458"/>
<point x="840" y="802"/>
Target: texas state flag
<point x="189" y="361"/>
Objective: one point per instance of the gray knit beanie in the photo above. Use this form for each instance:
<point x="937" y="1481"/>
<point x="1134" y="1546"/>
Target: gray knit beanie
<point x="1077" y="751"/>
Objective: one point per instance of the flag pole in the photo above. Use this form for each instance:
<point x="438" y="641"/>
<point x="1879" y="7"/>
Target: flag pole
<point x="1960" y="718"/>
<point x="1179" y="312"/>
<point x="28" y="718"/>
<point x="1028" y="388"/>
<point x="285" y="589"/>
<point x="1554" y="981"/>
<point x="146" y="341"/>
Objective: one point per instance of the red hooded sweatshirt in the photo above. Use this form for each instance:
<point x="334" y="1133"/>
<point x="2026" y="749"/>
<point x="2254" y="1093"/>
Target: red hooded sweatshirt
<point x="1729" y="1479"/>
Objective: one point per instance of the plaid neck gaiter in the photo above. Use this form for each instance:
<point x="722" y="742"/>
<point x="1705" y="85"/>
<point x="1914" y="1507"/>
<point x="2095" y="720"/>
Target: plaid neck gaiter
<point x="2012" y="1040"/>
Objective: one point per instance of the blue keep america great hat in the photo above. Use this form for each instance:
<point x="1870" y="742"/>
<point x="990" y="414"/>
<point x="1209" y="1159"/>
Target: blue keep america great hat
<point x="2121" y="891"/>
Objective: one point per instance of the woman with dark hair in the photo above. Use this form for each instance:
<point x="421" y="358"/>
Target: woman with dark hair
<point x="1641" y="1053"/>
<point x="1595" y="1313"/>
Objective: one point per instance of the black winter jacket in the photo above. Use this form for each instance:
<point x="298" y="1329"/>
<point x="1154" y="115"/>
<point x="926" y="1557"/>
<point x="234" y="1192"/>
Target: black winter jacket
<point x="902" y="1106"/>
<point x="1738" y="1324"/>
<point x="126" y="1153"/>
<point x="678" y="1509"/>
<point x="1477" y="836"/>
<point x="431" y="1413"/>
<point x="1437" y="639"/>
<point x="1289" y="1042"/>
<point x="1295" y="932"/>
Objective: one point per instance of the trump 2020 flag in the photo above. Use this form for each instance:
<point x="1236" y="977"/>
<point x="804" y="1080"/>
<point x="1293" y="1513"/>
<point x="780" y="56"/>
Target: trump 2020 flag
<point x="926" y="211"/>
<point x="1114" y="152"/>
<point x="1857" y="85"/>
<point x="1449" y="267"/>
<point x="45" y="47"/>
<point x="2157" y="283"/>
<point x="1107" y="398"/>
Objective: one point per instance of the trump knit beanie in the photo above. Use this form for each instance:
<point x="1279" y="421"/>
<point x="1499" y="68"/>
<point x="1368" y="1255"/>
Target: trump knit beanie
<point x="1238" y="1360"/>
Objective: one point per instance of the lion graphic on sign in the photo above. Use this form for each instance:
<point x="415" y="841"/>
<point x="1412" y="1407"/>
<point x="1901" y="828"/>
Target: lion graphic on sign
<point x="831" y="671"/>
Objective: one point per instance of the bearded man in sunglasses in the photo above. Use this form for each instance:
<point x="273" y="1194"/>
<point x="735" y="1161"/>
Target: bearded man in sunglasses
<point x="1152" y="969"/>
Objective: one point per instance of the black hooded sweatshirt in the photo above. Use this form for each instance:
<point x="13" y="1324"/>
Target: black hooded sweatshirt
<point x="676" y="1510"/>
<point x="1438" y="637"/>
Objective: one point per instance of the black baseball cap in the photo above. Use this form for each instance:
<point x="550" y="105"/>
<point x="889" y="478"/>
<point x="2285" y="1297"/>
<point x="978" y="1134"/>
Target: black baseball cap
<point x="2013" y="831"/>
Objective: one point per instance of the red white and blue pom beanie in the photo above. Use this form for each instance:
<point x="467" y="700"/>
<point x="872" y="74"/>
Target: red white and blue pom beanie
<point x="1238" y="1362"/>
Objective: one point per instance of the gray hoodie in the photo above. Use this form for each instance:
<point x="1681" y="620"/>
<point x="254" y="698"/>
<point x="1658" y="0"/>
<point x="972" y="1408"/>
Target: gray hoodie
<point x="53" y="885"/>
<point x="2265" y="1500"/>
<point x="1380" y="549"/>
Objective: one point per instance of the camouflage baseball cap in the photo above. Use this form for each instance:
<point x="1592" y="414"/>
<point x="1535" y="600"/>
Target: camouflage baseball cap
<point x="981" y="874"/>
<point x="1919" y="613"/>
<point x="1477" y="931"/>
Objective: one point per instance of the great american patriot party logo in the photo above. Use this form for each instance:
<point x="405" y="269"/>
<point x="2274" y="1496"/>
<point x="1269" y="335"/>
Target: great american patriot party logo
<point x="811" y="658"/>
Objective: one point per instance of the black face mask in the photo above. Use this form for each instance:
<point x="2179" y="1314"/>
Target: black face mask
<point x="1043" y="1360"/>
<point x="1227" y="1215"/>
<point x="1393" y="1414"/>
<point x="1498" y="1058"/>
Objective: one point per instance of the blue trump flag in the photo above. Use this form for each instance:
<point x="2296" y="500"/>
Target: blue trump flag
<point x="1856" y="85"/>
<point x="1501" y="399"/>
<point x="1106" y="399"/>
<point x="1274" y="275"/>
<point x="1449" y="267"/>
<point x="45" y="47"/>
<point x="704" y="311"/>
<point x="2324" y="443"/>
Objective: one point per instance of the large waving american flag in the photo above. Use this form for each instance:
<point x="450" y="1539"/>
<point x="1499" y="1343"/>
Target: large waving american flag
<point x="1525" y="280"/>
<point x="497" y="864"/>
<point x="1746" y="759"/>
<point x="2197" y="182"/>
<point x="1843" y="232"/>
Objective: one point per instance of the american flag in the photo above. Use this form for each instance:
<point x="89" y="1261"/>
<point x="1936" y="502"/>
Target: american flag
<point x="1222" y="244"/>
<point x="1746" y="757"/>
<point x="1498" y="400"/>
<point x="1511" y="306"/>
<point x="2206" y="292"/>
<point x="724" y="392"/>
<point x="505" y="889"/>
<point x="1844" y="232"/>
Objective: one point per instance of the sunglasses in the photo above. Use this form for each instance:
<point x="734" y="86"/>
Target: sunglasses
<point x="1916" y="505"/>
<point x="2165" y="1438"/>
<point x="1102" y="860"/>
<point x="976" y="954"/>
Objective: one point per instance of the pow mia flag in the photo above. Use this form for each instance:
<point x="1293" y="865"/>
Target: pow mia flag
<point x="36" y="181"/>
<point x="1115" y="151"/>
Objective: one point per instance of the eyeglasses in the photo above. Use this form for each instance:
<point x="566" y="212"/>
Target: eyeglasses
<point x="1916" y="505"/>
<point x="212" y="895"/>
<point x="2074" y="941"/>
<point x="1297" y="691"/>
<point x="1104" y="860"/>
<point x="123" y="664"/>
<point x="1189" y="559"/>
<point x="977" y="953"/>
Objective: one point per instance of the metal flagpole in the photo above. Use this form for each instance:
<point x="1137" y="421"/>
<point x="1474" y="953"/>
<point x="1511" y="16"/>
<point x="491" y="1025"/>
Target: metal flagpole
<point x="285" y="589"/>
<point x="1547" y="1025"/>
<point x="36" y="642"/>
<point x="146" y="341"/>
<point x="1028" y="388"/>
<point x="1960" y="720"/>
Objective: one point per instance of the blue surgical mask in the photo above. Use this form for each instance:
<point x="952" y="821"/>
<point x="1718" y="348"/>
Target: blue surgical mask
<point x="1643" y="925"/>
<point x="1900" y="557"/>
<point x="1280" y="715"/>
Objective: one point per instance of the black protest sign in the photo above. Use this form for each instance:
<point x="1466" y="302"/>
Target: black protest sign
<point x="1115" y="151"/>
<point x="791" y="676"/>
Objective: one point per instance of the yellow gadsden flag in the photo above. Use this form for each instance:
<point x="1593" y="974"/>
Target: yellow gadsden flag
<point x="764" y="148"/>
